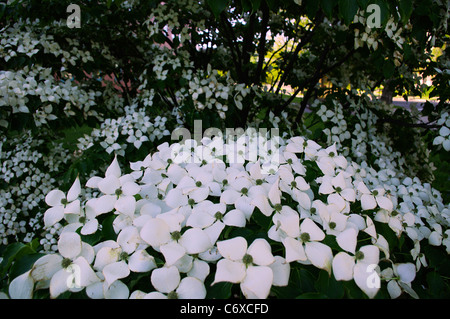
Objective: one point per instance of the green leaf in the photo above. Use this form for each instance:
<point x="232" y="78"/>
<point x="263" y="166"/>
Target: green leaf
<point x="23" y="265"/>
<point x="329" y="286"/>
<point x="327" y="7"/>
<point x="262" y="220"/>
<point x="9" y="255"/>
<point x="352" y="290"/>
<point x="405" y="7"/>
<point x="220" y="290"/>
<point x="15" y="252"/>
<point x="91" y="239"/>
<point x="311" y="8"/>
<point x="363" y="3"/>
<point x="388" y="69"/>
<point x="255" y="5"/>
<point x="347" y="10"/>
<point x="217" y="6"/>
<point x="246" y="5"/>
<point x="108" y="229"/>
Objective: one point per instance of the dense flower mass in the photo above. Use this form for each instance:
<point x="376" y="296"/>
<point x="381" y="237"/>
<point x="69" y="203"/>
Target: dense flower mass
<point x="182" y="227"/>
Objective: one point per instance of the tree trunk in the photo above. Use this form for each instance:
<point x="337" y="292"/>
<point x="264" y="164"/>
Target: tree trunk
<point x="387" y="94"/>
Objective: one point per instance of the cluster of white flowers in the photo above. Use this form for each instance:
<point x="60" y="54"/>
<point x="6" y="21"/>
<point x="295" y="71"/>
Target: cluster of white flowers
<point x="174" y="221"/>
<point x="362" y="141"/>
<point x="164" y="19"/>
<point x="19" y="87"/>
<point x="394" y="32"/>
<point x="208" y="91"/>
<point x="369" y="36"/>
<point x="372" y="36"/>
<point x="135" y="127"/>
<point x="339" y="132"/>
<point x="27" y="173"/>
<point x="444" y="132"/>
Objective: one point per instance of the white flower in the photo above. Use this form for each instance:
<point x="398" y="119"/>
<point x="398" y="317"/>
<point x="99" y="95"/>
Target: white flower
<point x="305" y="246"/>
<point x="74" y="260"/>
<point x="163" y="233"/>
<point x="339" y="190"/>
<point x="328" y="160"/>
<point x="247" y="266"/>
<point x="119" y="191"/>
<point x="347" y="267"/>
<point x="399" y="279"/>
<point x="214" y="217"/>
<point x="370" y="200"/>
<point x="167" y="280"/>
<point x="62" y="204"/>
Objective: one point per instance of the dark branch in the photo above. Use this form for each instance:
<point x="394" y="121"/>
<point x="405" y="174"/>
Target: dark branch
<point x="262" y="42"/>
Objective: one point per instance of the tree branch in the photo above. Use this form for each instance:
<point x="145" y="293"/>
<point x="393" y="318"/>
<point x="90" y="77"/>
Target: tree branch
<point x="262" y="42"/>
<point x="287" y="69"/>
<point x="231" y="39"/>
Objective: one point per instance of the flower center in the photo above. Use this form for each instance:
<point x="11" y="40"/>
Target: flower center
<point x="332" y="225"/>
<point x="82" y="219"/>
<point x="66" y="262"/>
<point x="244" y="191"/>
<point x="338" y="189"/>
<point x="259" y="182"/>
<point x="331" y="154"/>
<point x="191" y="202"/>
<point x="198" y="184"/>
<point x="247" y="259"/>
<point x="278" y="207"/>
<point x="359" y="255"/>
<point x="118" y="192"/>
<point x="218" y="216"/>
<point x="172" y="295"/>
<point x="64" y="201"/>
<point x="375" y="192"/>
<point x="176" y="235"/>
<point x="305" y="237"/>
<point x="124" y="256"/>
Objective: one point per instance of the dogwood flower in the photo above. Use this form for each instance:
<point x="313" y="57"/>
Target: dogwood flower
<point x="399" y="279"/>
<point x="347" y="267"/>
<point x="248" y="266"/>
<point x="164" y="233"/>
<point x="305" y="246"/>
<point x="62" y="204"/>
<point x="214" y="217"/>
<point x="370" y="200"/>
<point x="118" y="191"/>
<point x="339" y="191"/>
<point x="57" y="269"/>
<point x="167" y="280"/>
<point x="328" y="160"/>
